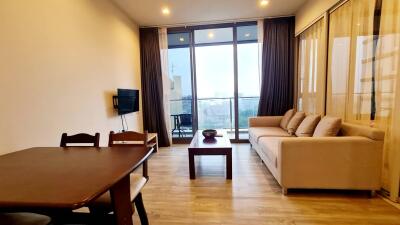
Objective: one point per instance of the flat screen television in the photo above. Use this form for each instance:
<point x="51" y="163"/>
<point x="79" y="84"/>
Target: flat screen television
<point x="127" y="101"/>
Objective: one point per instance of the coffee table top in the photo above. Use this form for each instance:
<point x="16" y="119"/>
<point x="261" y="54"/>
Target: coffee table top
<point x="221" y="141"/>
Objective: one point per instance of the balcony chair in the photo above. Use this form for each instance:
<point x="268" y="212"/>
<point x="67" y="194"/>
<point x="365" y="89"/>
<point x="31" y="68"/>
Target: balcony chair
<point x="184" y="123"/>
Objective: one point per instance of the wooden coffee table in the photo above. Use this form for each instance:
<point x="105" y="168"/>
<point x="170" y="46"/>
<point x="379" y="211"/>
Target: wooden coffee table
<point x="220" y="146"/>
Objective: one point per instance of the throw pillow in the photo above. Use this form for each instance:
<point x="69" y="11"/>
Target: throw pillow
<point x="286" y="118"/>
<point x="307" y="126"/>
<point x="295" y="122"/>
<point x="328" y="127"/>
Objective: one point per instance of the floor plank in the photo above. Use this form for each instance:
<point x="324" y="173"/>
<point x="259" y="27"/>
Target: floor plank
<point x="252" y="197"/>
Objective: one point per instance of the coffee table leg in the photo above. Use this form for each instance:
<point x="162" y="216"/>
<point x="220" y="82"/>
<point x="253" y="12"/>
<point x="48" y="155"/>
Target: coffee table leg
<point x="192" y="171"/>
<point x="120" y="196"/>
<point x="229" y="165"/>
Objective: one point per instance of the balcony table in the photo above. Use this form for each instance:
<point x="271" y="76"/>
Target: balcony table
<point x="54" y="178"/>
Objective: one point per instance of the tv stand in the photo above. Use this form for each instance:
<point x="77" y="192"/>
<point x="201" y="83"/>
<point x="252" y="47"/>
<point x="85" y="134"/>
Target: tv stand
<point x="152" y="141"/>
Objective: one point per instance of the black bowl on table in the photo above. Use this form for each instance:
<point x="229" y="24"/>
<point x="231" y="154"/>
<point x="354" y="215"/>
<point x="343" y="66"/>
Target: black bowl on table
<point x="209" y="133"/>
<point x="209" y="140"/>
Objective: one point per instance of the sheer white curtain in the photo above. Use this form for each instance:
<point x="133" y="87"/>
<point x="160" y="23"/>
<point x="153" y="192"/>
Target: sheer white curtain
<point x="338" y="60"/>
<point x="163" y="40"/>
<point x="388" y="88"/>
<point x="311" y="69"/>
<point x="260" y="34"/>
<point x="364" y="75"/>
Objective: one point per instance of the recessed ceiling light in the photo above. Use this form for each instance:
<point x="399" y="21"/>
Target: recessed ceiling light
<point x="165" y="11"/>
<point x="247" y="35"/>
<point x="181" y="39"/>
<point x="211" y="35"/>
<point x="264" y="3"/>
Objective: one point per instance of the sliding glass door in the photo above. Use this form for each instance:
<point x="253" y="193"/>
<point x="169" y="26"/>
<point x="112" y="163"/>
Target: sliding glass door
<point x="215" y="79"/>
<point x="248" y="74"/>
<point x="215" y="70"/>
<point x="180" y="74"/>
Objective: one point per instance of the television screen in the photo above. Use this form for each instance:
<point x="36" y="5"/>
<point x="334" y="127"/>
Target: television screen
<point x="128" y="101"/>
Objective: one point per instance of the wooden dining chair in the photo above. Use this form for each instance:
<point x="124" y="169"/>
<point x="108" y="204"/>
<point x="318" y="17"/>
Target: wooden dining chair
<point x="23" y="219"/>
<point x="103" y="204"/>
<point x="80" y="139"/>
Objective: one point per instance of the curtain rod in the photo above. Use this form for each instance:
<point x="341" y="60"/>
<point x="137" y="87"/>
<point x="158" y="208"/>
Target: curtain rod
<point x="213" y="22"/>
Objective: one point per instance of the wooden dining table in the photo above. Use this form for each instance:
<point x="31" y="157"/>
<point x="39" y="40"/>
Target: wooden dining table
<point x="54" y="178"/>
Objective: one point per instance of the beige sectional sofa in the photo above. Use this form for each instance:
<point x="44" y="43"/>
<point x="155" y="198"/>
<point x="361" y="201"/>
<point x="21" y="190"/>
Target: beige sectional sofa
<point x="351" y="160"/>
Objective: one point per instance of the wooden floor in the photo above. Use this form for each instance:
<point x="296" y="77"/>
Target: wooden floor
<point x="252" y="197"/>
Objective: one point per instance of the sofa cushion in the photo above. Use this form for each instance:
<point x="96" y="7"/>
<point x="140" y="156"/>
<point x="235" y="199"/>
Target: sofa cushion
<point x="295" y="122"/>
<point x="328" y="127"/>
<point x="256" y="133"/>
<point x="286" y="118"/>
<point x="307" y="126"/>
<point x="270" y="147"/>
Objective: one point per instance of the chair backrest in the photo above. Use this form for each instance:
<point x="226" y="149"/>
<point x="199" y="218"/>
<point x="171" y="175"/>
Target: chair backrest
<point x="80" y="139"/>
<point x="185" y="119"/>
<point x="127" y="138"/>
<point x="130" y="138"/>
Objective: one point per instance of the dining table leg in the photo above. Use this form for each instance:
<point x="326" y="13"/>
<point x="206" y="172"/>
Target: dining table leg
<point x="120" y="196"/>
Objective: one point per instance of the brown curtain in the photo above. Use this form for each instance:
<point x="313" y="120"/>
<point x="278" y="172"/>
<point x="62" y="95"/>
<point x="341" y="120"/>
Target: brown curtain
<point x="277" y="87"/>
<point x="152" y="88"/>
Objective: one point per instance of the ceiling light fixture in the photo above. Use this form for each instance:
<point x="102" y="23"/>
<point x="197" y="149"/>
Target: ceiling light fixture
<point x="247" y="35"/>
<point x="264" y="3"/>
<point x="210" y="35"/>
<point x="181" y="39"/>
<point x="165" y="11"/>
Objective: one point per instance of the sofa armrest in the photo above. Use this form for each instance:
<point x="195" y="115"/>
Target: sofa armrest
<point x="265" y="121"/>
<point x="330" y="162"/>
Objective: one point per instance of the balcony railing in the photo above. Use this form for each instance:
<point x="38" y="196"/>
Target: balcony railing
<point x="218" y="113"/>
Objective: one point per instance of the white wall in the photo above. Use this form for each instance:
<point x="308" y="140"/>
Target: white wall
<point x="60" y="63"/>
<point x="310" y="11"/>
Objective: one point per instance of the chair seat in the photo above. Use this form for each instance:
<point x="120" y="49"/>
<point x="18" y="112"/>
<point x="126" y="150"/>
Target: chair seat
<point x="104" y="201"/>
<point x="23" y="219"/>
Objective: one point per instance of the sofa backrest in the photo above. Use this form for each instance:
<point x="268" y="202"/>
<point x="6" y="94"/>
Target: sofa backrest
<point x="360" y="130"/>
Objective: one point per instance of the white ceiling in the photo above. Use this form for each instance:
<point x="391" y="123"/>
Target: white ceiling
<point x="148" y="12"/>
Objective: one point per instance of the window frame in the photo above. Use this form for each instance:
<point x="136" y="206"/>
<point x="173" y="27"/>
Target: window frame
<point x="192" y="46"/>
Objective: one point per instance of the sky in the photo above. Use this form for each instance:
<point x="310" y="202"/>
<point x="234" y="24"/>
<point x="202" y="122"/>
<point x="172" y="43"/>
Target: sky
<point x="215" y="70"/>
